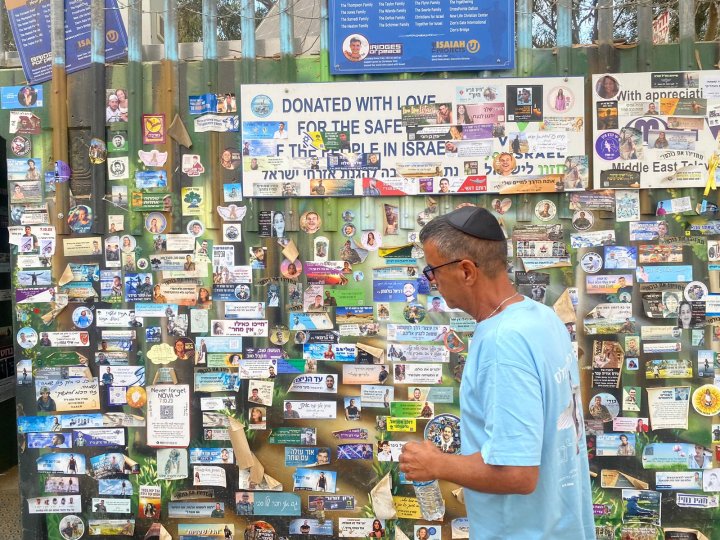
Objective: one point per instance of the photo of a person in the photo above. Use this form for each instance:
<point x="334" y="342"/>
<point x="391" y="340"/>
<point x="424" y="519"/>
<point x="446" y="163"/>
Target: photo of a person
<point x="27" y="96"/>
<point x="355" y="48"/>
<point x="661" y="141"/>
<point x="607" y="87"/>
<point x="625" y="448"/>
<point x="684" y="315"/>
<point x="462" y="115"/>
<point x="504" y="164"/>
<point x="278" y="225"/>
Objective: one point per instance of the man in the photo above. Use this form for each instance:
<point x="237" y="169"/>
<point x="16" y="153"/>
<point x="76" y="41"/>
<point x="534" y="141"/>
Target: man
<point x="444" y="114"/>
<point x="254" y="396"/>
<point x="447" y="441"/>
<point x="312" y="222"/>
<point x="289" y="412"/>
<point x="108" y="377"/>
<point x="444" y="185"/>
<point x="244" y="507"/>
<point x="351" y="411"/>
<point x="112" y="111"/>
<point x="280" y="133"/>
<point x="581" y="222"/>
<point x="318" y="305"/>
<point x="329" y="299"/>
<point x="330" y="383"/>
<point x="519" y="457"/>
<point x="504" y="166"/>
<point x="45" y="402"/>
<point x="354" y="54"/>
<point x="435" y="305"/>
<point x="625" y="448"/>
<point x="323" y="457"/>
<point x="217" y="512"/>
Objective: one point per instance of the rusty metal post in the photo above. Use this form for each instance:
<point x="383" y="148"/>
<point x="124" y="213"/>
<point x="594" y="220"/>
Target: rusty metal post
<point x="59" y="112"/>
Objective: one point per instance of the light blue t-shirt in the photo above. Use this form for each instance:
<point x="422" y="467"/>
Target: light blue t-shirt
<point x="520" y="405"/>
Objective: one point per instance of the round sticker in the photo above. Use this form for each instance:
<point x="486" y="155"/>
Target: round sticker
<point x="501" y="206"/>
<point x="695" y="291"/>
<point x="82" y="317"/>
<point x="155" y="222"/>
<point x="348" y="216"/>
<point x="261" y="105"/>
<point x="127" y="243"/>
<point x="358" y="276"/>
<point x="310" y="222"/>
<point x="71" y="527"/>
<point x="443" y="430"/>
<point x="279" y="334"/>
<point x="453" y="343"/>
<point x="230" y="159"/>
<point x="21" y="146"/>
<point x="371" y="240"/>
<point x="301" y="337"/>
<point x="291" y="270"/>
<point x="504" y="164"/>
<point x="242" y="292"/>
<point x="545" y="210"/>
<point x="97" y="151"/>
<point x="607" y="87"/>
<point x="706" y="400"/>
<point x="560" y="99"/>
<point x="591" y="262"/>
<point x="196" y="228"/>
<point x="607" y="146"/>
<point x="184" y="348"/>
<point x="348" y="230"/>
<point x="27" y="337"/>
<point x="355" y="47"/>
<point x="136" y="396"/>
<point x="604" y="407"/>
<point x="582" y="220"/>
<point x="414" y="312"/>
<point x="80" y="218"/>
<point x="142" y="264"/>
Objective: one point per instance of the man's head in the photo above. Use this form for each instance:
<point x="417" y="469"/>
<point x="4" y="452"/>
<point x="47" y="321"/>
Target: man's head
<point x="505" y="163"/>
<point x="312" y="220"/>
<point x="472" y="238"/>
<point x="113" y="102"/>
<point x="329" y="382"/>
<point x="447" y="434"/>
<point x="355" y="45"/>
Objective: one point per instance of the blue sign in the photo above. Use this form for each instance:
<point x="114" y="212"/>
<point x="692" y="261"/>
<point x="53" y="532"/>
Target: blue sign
<point x="30" y="23"/>
<point x="395" y="37"/>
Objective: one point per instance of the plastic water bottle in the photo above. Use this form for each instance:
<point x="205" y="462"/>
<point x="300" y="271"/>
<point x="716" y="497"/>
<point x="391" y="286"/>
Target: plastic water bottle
<point x="432" y="505"/>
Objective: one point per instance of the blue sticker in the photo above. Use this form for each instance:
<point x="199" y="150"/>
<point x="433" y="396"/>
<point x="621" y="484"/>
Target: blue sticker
<point x="607" y="146"/>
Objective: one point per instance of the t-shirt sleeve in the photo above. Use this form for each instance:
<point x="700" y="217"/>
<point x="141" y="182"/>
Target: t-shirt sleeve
<point x="515" y="418"/>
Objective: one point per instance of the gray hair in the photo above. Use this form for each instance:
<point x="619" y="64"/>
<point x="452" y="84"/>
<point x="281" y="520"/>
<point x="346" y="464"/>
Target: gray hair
<point x="490" y="256"/>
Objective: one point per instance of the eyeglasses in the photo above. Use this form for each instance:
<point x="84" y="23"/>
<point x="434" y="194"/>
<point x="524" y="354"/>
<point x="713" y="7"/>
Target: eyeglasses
<point x="429" y="271"/>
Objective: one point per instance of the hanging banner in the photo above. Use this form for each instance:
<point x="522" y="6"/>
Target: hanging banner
<point x="31" y="28"/>
<point x="456" y="137"/>
<point x="397" y="37"/>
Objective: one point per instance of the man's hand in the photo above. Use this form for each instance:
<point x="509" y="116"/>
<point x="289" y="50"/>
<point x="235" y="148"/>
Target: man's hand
<point x="420" y="460"/>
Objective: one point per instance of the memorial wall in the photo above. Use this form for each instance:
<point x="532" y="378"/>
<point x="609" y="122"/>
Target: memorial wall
<point x="240" y="340"/>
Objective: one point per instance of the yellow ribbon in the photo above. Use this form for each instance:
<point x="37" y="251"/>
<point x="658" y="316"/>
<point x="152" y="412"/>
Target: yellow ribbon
<point x="713" y="162"/>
